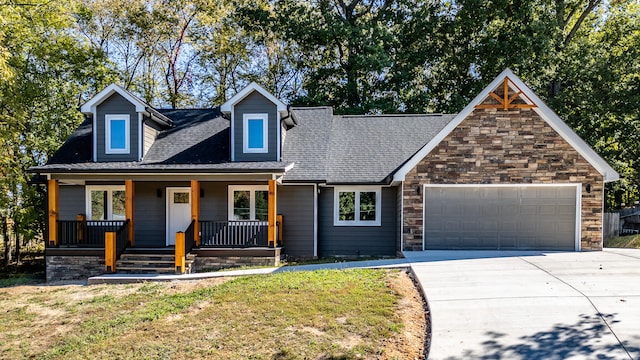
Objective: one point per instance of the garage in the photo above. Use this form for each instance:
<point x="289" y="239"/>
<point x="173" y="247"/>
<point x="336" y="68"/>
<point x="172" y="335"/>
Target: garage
<point x="503" y="217"/>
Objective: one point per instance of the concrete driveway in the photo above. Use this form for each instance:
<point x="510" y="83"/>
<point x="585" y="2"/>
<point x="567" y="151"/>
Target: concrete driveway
<point x="532" y="305"/>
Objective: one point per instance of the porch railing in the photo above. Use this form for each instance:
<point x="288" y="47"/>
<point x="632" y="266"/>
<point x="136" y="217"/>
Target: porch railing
<point x="122" y="238"/>
<point x="86" y="233"/>
<point x="234" y="233"/>
<point x="189" y="239"/>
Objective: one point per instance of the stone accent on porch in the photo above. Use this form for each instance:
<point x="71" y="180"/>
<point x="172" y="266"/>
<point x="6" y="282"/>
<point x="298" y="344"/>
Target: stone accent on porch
<point x="216" y="259"/>
<point x="67" y="267"/>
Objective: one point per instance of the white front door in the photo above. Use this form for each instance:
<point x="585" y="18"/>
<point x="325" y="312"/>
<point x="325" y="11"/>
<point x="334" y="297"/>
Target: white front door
<point x="178" y="212"/>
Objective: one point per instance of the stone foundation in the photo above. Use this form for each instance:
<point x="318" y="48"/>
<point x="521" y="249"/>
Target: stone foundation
<point x="203" y="264"/>
<point x="73" y="267"/>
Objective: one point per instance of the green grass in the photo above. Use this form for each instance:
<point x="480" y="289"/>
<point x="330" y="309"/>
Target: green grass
<point x="20" y="279"/>
<point x="631" y="241"/>
<point x="321" y="314"/>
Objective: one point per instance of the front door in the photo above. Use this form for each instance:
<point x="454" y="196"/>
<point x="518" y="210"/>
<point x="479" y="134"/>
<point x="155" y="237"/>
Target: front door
<point x="178" y="212"/>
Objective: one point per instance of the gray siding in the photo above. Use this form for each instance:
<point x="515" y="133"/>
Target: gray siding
<point x="149" y="134"/>
<point x="256" y="103"/>
<point x="295" y="203"/>
<point x="357" y="240"/>
<point x="116" y="104"/>
<point x="214" y="203"/>
<point x="150" y="212"/>
<point x="72" y="202"/>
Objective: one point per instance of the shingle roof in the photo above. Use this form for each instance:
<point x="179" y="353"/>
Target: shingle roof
<point x="355" y="149"/>
<point x="307" y="144"/>
<point x="198" y="142"/>
<point x="324" y="147"/>
<point x="198" y="137"/>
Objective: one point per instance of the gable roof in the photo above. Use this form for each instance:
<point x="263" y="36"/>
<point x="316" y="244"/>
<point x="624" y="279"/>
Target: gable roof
<point x="352" y="149"/>
<point x="142" y="107"/>
<point x="529" y="97"/>
<point x="228" y="105"/>
<point x="199" y="142"/>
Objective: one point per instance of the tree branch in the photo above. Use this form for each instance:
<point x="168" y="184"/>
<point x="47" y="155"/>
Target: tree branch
<point x="590" y="6"/>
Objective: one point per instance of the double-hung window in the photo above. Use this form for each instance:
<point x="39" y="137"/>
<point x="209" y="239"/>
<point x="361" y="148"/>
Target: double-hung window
<point x="105" y="202"/>
<point x="357" y="206"/>
<point x="117" y="137"/>
<point x="255" y="133"/>
<point x="248" y="202"/>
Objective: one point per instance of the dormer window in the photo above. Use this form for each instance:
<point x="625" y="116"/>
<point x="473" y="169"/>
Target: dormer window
<point x="117" y="134"/>
<point x="255" y="134"/>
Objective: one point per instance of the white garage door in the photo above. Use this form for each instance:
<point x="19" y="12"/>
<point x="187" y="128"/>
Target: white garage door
<point x="500" y="217"/>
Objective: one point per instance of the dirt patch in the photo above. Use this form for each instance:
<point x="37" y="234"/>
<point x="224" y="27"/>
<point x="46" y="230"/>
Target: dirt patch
<point x="409" y="342"/>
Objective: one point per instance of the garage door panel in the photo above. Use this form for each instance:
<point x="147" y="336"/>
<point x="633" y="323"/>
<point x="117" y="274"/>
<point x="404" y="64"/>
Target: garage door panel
<point x="501" y="217"/>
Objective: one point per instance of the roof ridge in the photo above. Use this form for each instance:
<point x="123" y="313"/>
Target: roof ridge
<point x="312" y="107"/>
<point x="189" y="109"/>
<point x="392" y="115"/>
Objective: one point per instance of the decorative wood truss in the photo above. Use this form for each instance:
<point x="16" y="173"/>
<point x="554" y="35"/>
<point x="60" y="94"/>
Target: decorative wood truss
<point x="506" y="102"/>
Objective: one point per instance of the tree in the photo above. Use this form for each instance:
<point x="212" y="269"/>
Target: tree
<point x="51" y="72"/>
<point x="345" y="51"/>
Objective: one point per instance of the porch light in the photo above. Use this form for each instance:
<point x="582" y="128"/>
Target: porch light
<point x="588" y="188"/>
<point x="159" y="193"/>
<point x="418" y="189"/>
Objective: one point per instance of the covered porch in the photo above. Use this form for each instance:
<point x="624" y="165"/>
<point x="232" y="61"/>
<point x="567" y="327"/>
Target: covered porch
<point x="120" y="218"/>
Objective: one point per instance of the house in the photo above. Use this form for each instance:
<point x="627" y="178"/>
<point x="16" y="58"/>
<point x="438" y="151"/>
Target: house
<point x="253" y="180"/>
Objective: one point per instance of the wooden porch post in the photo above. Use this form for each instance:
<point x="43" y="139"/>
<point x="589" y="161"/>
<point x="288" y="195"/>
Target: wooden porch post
<point x="128" y="208"/>
<point x="195" y="210"/>
<point x="180" y="260"/>
<point x="54" y="210"/>
<point x="272" y="214"/>
<point x="110" y="251"/>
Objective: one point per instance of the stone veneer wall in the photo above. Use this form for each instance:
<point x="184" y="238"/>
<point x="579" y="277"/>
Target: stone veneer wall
<point x="66" y="267"/>
<point x="204" y="263"/>
<point x="494" y="146"/>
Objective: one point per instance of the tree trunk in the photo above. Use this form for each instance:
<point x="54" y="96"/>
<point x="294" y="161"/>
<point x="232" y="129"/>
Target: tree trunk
<point x="5" y="238"/>
<point x="17" y="244"/>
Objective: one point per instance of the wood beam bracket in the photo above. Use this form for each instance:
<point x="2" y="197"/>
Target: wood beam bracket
<point x="505" y="102"/>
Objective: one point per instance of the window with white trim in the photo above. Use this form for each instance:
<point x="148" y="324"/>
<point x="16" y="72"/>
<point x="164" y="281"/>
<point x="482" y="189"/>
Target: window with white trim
<point x="117" y="134"/>
<point x="248" y="202"/>
<point x="105" y="202"/>
<point x="255" y="133"/>
<point x="357" y="206"/>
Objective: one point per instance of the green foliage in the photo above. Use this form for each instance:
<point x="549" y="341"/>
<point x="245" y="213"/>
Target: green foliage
<point x="51" y="69"/>
<point x="630" y="242"/>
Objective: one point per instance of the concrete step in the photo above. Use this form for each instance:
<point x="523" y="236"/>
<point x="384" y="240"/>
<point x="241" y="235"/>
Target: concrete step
<point x="148" y="263"/>
<point x="145" y="270"/>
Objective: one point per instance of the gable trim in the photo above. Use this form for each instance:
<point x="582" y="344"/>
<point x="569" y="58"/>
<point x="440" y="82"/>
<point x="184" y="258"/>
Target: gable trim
<point x="141" y="107"/>
<point x="90" y="106"/>
<point x="548" y="115"/>
<point x="229" y="104"/>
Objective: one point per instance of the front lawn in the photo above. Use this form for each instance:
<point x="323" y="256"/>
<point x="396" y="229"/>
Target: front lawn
<point x="297" y="315"/>
<point x="630" y="241"/>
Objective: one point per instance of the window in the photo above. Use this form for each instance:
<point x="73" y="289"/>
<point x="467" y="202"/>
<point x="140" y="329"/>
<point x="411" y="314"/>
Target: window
<point x="249" y="202"/>
<point x="105" y="202"/>
<point x="116" y="134"/>
<point x="255" y="133"/>
<point x="357" y="206"/>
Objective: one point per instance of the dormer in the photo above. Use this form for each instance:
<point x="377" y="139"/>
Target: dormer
<point x="124" y="127"/>
<point x="256" y="124"/>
